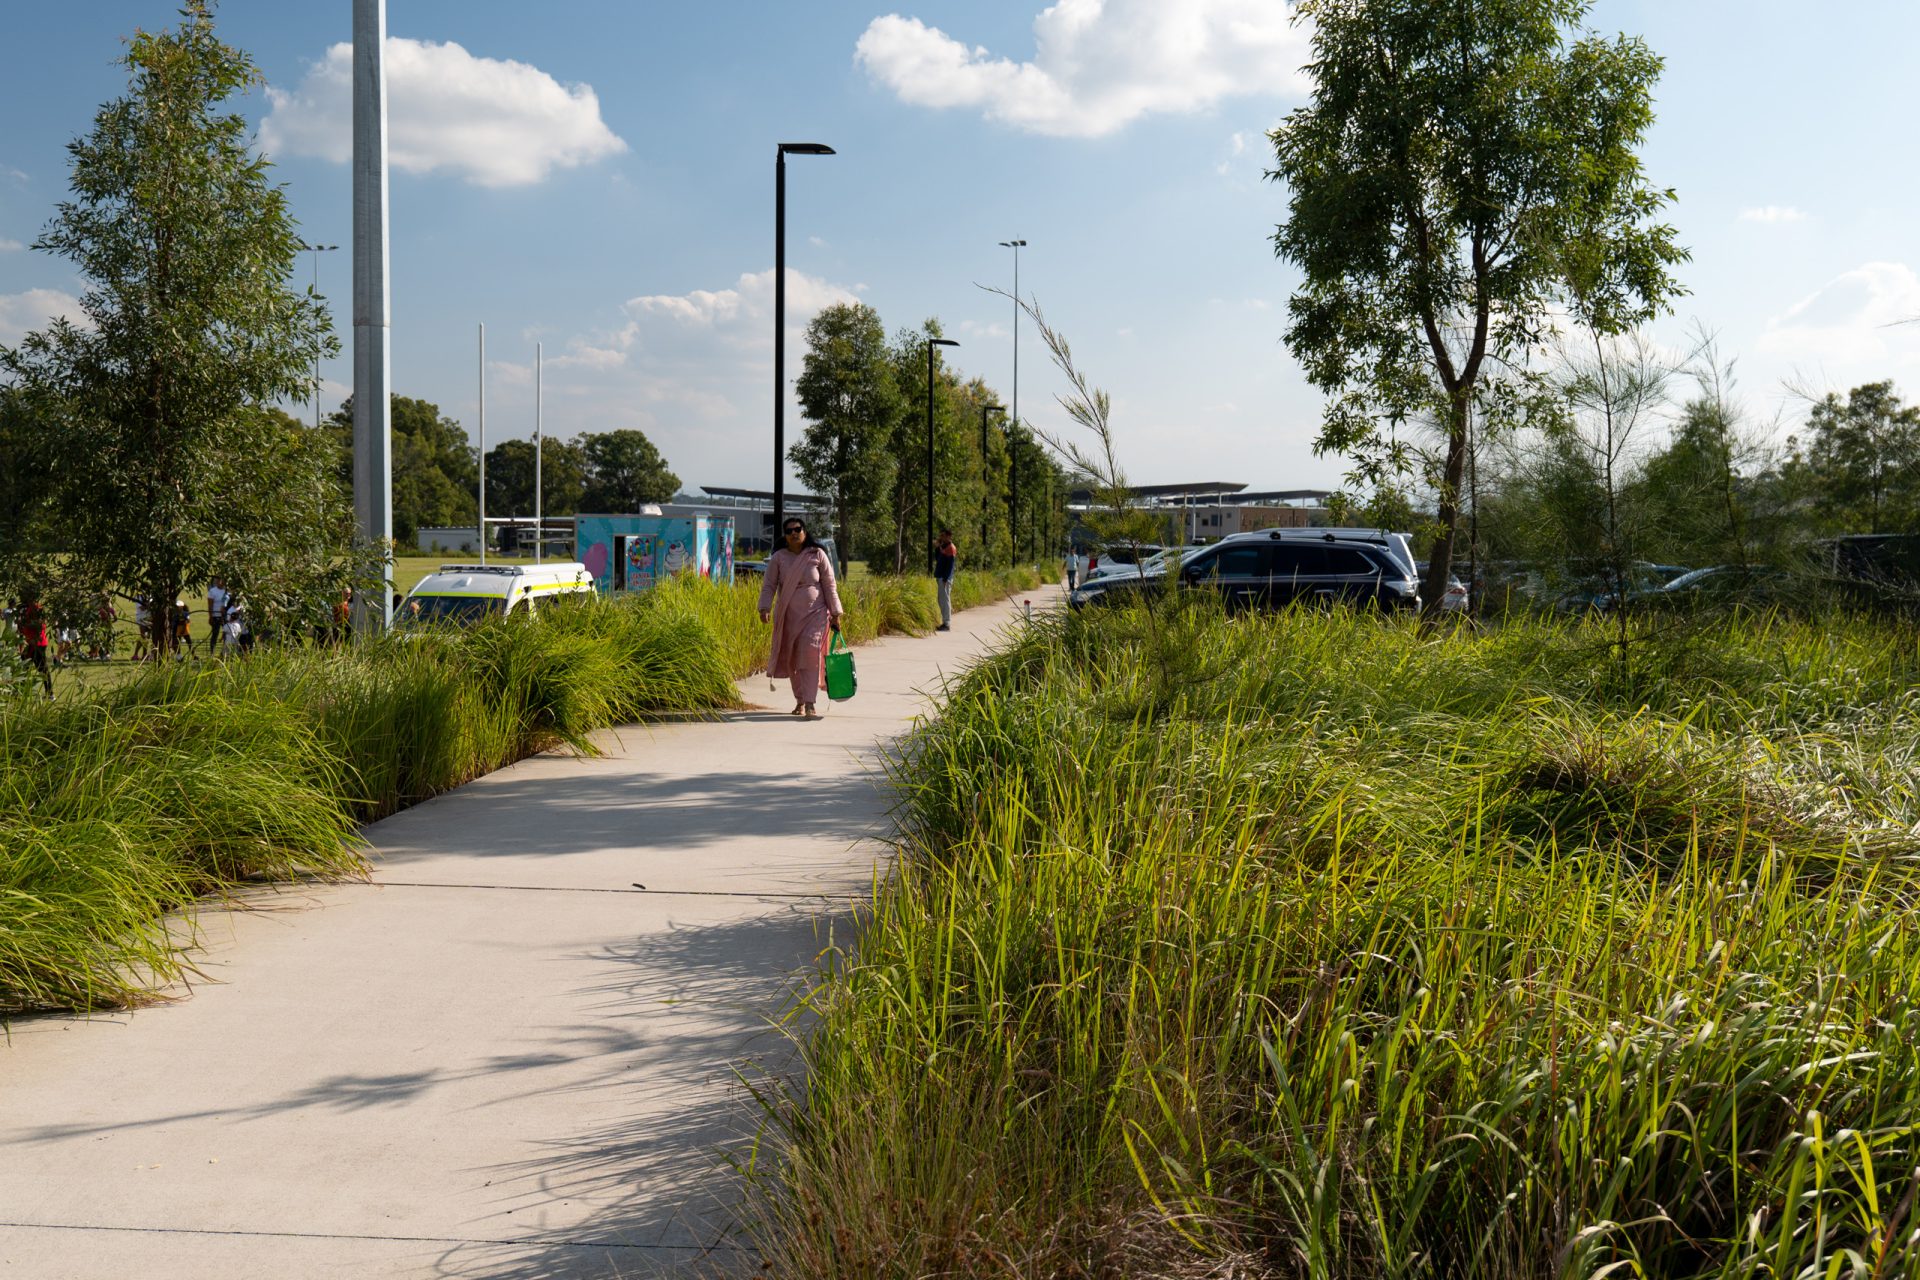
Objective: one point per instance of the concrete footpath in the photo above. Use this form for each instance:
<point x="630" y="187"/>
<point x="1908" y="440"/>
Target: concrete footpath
<point x="505" y="1057"/>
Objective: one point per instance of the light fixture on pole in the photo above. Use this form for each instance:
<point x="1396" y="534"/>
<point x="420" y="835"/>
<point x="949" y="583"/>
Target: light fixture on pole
<point x="931" y="344"/>
<point x="780" y="321"/>
<point x="986" y="474"/>
<point x="316" y="250"/>
<point x="1016" y="246"/>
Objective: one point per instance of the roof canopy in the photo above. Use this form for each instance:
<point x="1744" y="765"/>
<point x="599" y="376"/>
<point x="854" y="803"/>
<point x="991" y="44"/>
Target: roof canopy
<point x="1167" y="492"/>
<point x="762" y="495"/>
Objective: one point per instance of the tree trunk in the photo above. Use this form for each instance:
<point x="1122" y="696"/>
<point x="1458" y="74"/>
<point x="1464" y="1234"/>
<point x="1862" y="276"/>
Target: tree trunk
<point x="1433" y="591"/>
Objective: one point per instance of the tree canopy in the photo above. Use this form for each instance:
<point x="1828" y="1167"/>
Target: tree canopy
<point x="1863" y="461"/>
<point x="851" y="401"/>
<point x="1463" y="168"/>
<point x="624" y="472"/>
<point x="161" y="463"/>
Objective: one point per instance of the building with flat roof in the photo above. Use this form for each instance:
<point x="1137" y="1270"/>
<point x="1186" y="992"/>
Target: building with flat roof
<point x="1210" y="510"/>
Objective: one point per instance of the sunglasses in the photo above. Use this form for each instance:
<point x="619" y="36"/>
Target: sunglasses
<point x="794" y="528"/>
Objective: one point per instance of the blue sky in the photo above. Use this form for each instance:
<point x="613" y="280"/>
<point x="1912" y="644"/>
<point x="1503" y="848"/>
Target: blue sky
<point x="596" y="175"/>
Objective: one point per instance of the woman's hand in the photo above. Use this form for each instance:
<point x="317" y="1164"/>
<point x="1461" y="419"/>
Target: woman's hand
<point x="766" y="616"/>
<point x="836" y="620"/>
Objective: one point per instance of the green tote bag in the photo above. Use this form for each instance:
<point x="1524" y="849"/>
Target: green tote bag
<point x="841" y="682"/>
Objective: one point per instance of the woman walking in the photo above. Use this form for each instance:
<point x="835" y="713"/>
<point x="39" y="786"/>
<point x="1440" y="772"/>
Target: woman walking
<point x="800" y="576"/>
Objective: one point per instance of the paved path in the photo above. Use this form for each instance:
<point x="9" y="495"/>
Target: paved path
<point x="500" y="1059"/>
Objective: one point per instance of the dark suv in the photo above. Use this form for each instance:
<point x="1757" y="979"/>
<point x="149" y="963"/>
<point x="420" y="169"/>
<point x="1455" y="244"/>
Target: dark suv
<point x="1255" y="571"/>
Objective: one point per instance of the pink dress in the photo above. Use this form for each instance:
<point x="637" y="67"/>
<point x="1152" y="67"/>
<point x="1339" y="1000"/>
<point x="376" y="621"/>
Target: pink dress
<point x="808" y="604"/>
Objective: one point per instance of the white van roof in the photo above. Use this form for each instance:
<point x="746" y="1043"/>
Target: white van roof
<point x="560" y="571"/>
<point x="501" y="579"/>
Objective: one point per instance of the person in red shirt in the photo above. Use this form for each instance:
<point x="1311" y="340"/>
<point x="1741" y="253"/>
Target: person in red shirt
<point x="31" y="621"/>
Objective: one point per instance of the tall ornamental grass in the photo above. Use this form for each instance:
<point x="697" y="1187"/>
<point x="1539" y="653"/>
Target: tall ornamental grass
<point x="1353" y="952"/>
<point x="193" y="780"/>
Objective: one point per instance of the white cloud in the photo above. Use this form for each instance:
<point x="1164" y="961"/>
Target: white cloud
<point x="1856" y="319"/>
<point x="992" y="329"/>
<point x="17" y="175"/>
<point x="1098" y="65"/>
<point x="10" y="246"/>
<point x="582" y="354"/>
<point x="750" y="298"/>
<point x="494" y="122"/>
<point x="23" y="313"/>
<point x="1773" y="213"/>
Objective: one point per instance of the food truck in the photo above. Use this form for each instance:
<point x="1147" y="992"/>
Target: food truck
<point x="633" y="552"/>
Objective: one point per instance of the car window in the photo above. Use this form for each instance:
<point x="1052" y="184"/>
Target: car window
<point x="1290" y="560"/>
<point x="1308" y="559"/>
<point x="1241" y="562"/>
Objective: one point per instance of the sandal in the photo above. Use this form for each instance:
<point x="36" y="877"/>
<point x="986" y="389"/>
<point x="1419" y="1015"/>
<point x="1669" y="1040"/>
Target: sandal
<point x="798" y="707"/>
<point x="811" y="713"/>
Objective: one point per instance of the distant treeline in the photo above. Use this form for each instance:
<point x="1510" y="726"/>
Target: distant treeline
<point x="436" y="470"/>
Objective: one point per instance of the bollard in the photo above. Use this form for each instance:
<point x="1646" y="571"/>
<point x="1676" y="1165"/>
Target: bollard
<point x="1027" y="607"/>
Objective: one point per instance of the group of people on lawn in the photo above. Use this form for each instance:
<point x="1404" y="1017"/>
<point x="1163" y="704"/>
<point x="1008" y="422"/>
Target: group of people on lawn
<point x="49" y="639"/>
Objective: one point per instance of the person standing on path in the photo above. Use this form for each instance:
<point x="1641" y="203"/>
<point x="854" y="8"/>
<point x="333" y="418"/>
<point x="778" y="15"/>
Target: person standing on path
<point x="800" y="577"/>
<point x="945" y="557"/>
<point x="1073" y="568"/>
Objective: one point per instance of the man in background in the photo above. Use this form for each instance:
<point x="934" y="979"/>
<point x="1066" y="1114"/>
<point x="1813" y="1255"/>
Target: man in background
<point x="945" y="557"/>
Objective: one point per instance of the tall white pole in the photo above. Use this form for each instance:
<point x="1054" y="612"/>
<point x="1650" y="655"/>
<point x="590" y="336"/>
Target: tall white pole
<point x="483" y="444"/>
<point x="539" y="508"/>
<point x="372" y="387"/>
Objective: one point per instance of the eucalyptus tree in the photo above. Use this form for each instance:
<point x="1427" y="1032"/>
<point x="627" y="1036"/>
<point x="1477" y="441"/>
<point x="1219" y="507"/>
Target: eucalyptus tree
<point x="163" y="464"/>
<point x="849" y="394"/>
<point x="1464" y="170"/>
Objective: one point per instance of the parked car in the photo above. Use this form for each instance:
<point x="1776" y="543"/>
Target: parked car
<point x="1455" y="600"/>
<point x="1722" y="584"/>
<point x="1151" y="565"/>
<point x="1273" y="569"/>
<point x="1871" y="570"/>
<point x="1594" y="588"/>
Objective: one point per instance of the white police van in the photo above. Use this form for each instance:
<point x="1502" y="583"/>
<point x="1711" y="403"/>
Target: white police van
<point x="468" y="592"/>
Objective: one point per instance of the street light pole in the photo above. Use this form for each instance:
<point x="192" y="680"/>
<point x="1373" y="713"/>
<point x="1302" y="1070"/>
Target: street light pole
<point x="931" y="344"/>
<point x="372" y="334"/>
<point x="986" y="474"/>
<point x="780" y="323"/>
<point x="539" y="506"/>
<point x="316" y="250"/>
<point x="481" y="493"/>
<point x="1013" y="491"/>
<point x="1016" y="246"/>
